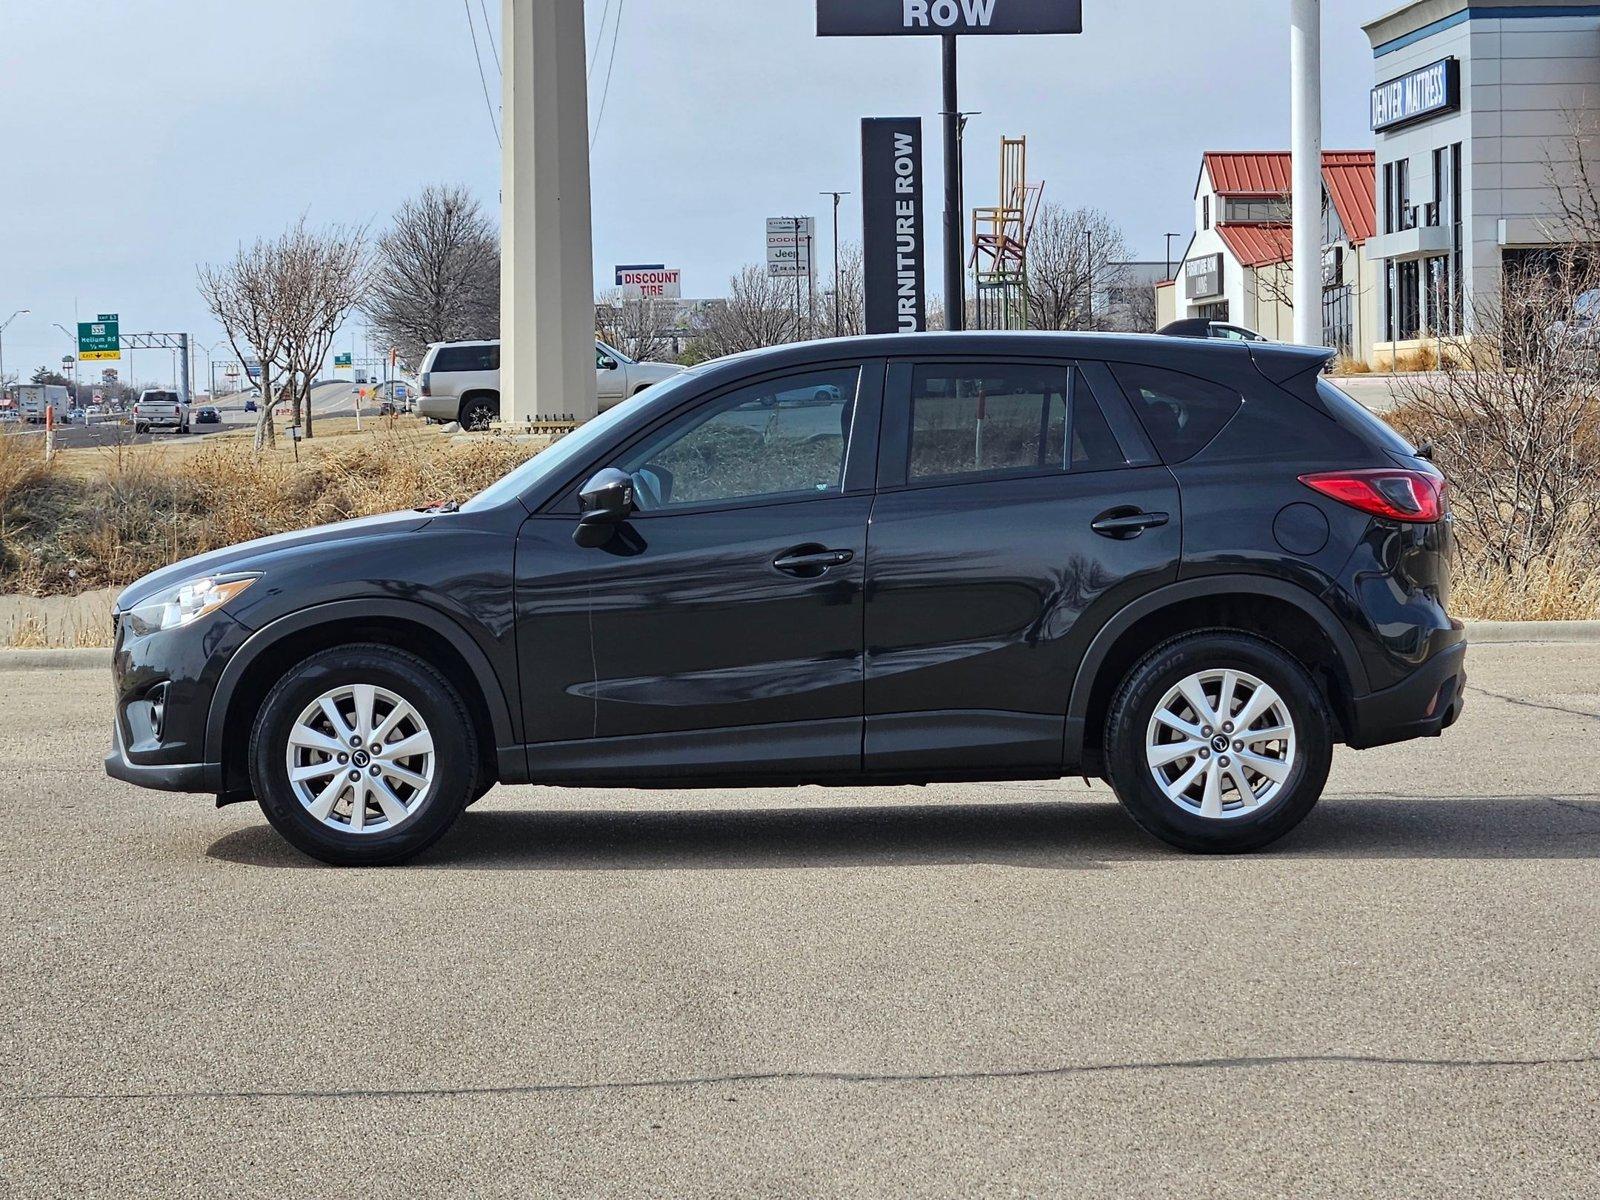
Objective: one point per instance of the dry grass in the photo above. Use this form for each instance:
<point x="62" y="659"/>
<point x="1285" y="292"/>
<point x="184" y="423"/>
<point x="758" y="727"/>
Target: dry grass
<point x="105" y="521"/>
<point x="1351" y="366"/>
<point x="1565" y="588"/>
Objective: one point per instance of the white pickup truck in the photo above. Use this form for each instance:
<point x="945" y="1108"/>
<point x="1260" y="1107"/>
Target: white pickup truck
<point x="160" y="410"/>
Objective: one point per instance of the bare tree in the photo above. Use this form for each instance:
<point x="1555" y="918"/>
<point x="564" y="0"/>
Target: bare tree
<point x="636" y="325"/>
<point x="437" y="277"/>
<point x="1514" y="417"/>
<point x="1072" y="252"/>
<point x="845" y="296"/>
<point x="283" y="300"/>
<point x="759" y="312"/>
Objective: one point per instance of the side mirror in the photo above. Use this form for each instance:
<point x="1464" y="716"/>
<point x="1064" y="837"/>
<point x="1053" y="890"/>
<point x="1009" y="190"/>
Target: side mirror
<point x="606" y="501"/>
<point x="607" y="363"/>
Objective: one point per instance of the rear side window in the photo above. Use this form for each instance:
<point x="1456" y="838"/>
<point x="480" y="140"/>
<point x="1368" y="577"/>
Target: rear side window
<point x="1180" y="413"/>
<point x="1354" y="415"/>
<point x="974" y="421"/>
<point x="467" y="358"/>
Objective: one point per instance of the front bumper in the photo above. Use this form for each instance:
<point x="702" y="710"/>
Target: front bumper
<point x="1424" y="704"/>
<point x="163" y="777"/>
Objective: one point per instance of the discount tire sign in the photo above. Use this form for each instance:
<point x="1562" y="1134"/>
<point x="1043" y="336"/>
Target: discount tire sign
<point x="858" y="18"/>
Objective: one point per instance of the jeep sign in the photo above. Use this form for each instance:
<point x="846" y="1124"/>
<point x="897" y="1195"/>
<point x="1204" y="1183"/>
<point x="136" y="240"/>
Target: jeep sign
<point x="857" y="18"/>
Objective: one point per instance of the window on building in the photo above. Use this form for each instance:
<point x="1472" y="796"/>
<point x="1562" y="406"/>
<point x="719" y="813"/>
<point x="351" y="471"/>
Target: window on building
<point x="1257" y="212"/>
<point x="1405" y="216"/>
<point x="1336" y="318"/>
<point x="1388" y="197"/>
<point x="1407" y="299"/>
<point x="1457" y="315"/>
<point x="1205" y="212"/>
<point x="1432" y="213"/>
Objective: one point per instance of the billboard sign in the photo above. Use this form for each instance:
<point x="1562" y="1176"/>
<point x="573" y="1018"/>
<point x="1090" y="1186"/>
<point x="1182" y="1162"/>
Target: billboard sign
<point x="650" y="281"/>
<point x="343" y="362"/>
<point x="789" y="244"/>
<point x="1203" y="276"/>
<point x="1425" y="92"/>
<point x="100" y="340"/>
<point x="866" y="18"/>
<point x="892" y="227"/>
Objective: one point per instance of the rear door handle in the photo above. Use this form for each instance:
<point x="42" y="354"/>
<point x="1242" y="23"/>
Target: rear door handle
<point x="808" y="562"/>
<point x="1125" y="523"/>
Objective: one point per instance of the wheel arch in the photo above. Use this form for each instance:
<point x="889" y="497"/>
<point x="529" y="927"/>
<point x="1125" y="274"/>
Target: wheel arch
<point x="1262" y="606"/>
<point x="469" y="397"/>
<point x="409" y="626"/>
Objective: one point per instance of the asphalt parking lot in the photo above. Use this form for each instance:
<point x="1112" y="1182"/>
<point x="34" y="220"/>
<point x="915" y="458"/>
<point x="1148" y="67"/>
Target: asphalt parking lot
<point x="1002" y="989"/>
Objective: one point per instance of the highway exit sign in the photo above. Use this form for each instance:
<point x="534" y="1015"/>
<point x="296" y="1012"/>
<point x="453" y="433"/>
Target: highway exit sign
<point x="100" y="340"/>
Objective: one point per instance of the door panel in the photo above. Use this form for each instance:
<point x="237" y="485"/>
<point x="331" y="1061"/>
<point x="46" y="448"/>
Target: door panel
<point x="984" y="591"/>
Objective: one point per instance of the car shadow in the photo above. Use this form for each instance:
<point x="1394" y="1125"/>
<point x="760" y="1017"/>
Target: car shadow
<point x="1051" y="835"/>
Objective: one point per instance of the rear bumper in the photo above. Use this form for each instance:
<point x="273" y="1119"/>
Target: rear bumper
<point x="1424" y="704"/>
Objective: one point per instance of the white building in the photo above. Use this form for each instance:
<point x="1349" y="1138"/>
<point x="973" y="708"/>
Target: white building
<point x="1474" y="115"/>
<point x="1237" y="267"/>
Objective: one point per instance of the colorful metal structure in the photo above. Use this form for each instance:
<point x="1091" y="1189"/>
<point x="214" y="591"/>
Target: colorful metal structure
<point x="1000" y="243"/>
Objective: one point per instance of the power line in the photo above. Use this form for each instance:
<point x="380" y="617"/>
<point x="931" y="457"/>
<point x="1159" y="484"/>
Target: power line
<point x="472" y="28"/>
<point x="488" y="32"/>
<point x="605" y="91"/>
<point x="599" y="37"/>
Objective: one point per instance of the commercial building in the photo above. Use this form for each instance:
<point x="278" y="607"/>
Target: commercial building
<point x="1479" y="115"/>
<point x="1237" y="267"/>
<point x="1124" y="302"/>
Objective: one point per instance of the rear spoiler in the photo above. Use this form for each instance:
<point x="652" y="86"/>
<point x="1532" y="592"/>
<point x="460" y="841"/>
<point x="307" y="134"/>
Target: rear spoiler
<point x="1295" y="369"/>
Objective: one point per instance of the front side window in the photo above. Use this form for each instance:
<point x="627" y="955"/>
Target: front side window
<point x="1179" y="412"/>
<point x="785" y="438"/>
<point x="988" y="420"/>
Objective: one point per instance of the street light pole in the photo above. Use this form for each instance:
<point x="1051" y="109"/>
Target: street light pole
<point x="836" y="197"/>
<point x="21" y="312"/>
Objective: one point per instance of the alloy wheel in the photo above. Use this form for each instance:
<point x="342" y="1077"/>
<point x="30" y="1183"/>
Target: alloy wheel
<point x="360" y="759"/>
<point x="1220" y="744"/>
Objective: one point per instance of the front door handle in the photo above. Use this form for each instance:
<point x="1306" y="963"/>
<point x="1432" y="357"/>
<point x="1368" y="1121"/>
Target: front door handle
<point x="1124" y="523"/>
<point x="808" y="562"/>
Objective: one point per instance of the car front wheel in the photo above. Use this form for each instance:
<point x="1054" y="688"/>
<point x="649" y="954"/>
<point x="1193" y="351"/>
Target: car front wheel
<point x="363" y="756"/>
<point x="1219" y="742"/>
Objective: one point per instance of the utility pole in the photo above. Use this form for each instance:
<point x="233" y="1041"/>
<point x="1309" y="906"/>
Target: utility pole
<point x="955" y="301"/>
<point x="837" y="196"/>
<point x="1305" y="119"/>
<point x="547" y="263"/>
<point x="1088" y="251"/>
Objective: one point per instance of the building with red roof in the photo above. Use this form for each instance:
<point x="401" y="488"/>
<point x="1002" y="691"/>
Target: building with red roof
<point x="1237" y="266"/>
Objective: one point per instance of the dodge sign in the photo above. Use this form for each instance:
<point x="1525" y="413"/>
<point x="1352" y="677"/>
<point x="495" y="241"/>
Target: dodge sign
<point x="855" y="18"/>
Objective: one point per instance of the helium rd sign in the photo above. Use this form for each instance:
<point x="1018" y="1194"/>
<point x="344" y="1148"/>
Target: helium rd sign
<point x="100" y="340"/>
<point x="866" y="18"/>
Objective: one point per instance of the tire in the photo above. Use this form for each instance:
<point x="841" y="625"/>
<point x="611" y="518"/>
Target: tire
<point x="1196" y="818"/>
<point x="479" y="412"/>
<point x="387" y="834"/>
<point x="141" y="429"/>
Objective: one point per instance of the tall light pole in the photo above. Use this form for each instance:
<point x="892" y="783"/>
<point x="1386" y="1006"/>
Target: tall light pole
<point x="1305" y="119"/>
<point x="837" y="196"/>
<point x="21" y="312"/>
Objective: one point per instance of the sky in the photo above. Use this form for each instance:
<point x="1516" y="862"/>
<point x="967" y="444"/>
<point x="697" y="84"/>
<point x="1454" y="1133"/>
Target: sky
<point x="142" y="137"/>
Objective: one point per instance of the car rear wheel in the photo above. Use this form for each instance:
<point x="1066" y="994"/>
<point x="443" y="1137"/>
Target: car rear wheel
<point x="479" y="412"/>
<point x="1219" y="742"/>
<point x="363" y="756"/>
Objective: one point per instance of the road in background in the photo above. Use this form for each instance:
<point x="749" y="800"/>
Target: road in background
<point x="957" y="990"/>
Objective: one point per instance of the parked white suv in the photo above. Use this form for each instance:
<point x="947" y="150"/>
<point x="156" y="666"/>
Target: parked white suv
<point x="460" y="381"/>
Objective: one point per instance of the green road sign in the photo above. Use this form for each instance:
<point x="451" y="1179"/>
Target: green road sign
<point x="341" y="362"/>
<point x="100" y="340"/>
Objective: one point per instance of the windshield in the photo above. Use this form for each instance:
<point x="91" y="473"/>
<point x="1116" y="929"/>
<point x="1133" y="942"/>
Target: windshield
<point x="574" y="448"/>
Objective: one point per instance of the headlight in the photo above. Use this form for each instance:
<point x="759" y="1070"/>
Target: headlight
<point x="186" y="603"/>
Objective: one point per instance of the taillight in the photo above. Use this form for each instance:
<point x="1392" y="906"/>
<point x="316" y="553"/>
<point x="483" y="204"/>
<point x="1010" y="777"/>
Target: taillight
<point x="1392" y="494"/>
<point x="424" y="381"/>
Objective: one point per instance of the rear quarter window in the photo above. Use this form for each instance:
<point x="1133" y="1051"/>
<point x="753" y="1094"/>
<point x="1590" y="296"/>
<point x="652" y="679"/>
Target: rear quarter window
<point x="1180" y="413"/>
<point x="467" y="358"/>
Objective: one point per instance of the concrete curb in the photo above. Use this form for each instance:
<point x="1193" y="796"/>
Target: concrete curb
<point x="1490" y="633"/>
<point x="1480" y="633"/>
<point x="92" y="658"/>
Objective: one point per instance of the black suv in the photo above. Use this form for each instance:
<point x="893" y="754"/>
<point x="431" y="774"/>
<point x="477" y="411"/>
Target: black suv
<point x="1188" y="567"/>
